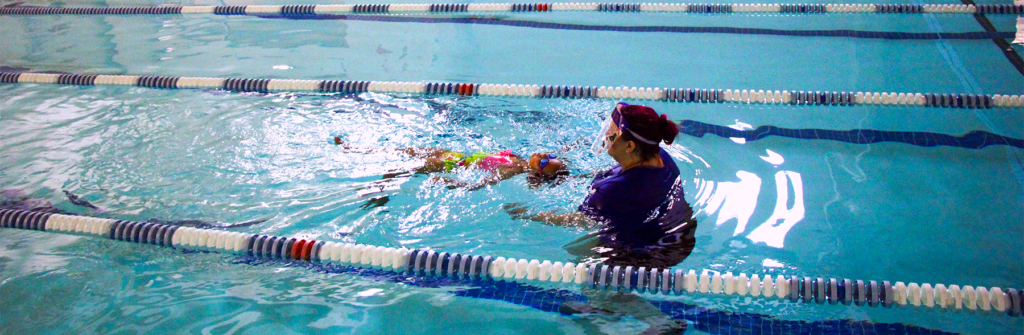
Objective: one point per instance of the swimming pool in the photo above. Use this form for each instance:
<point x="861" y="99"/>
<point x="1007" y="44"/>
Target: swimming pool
<point x="776" y="205"/>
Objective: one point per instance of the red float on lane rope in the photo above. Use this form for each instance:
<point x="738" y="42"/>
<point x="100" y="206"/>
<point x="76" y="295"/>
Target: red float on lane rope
<point x="307" y="251"/>
<point x="297" y="249"/>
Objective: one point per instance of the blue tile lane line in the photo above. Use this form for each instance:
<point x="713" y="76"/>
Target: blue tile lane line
<point x="1001" y="43"/>
<point x="972" y="140"/>
<point x="889" y="35"/>
<point x="549" y="300"/>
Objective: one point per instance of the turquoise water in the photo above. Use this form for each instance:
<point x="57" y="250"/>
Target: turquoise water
<point x="884" y="211"/>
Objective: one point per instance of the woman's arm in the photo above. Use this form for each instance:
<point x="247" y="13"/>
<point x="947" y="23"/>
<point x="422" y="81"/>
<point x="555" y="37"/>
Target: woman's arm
<point x="573" y="219"/>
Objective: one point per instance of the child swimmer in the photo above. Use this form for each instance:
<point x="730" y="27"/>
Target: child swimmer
<point x="541" y="167"/>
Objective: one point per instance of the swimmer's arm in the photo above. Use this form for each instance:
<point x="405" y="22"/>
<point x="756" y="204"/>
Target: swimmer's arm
<point x="489" y="180"/>
<point x="453" y="184"/>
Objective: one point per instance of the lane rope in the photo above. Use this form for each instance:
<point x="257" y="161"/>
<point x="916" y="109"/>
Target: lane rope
<point x="694" y="95"/>
<point x="426" y="262"/>
<point x="523" y="7"/>
<point x="1020" y="31"/>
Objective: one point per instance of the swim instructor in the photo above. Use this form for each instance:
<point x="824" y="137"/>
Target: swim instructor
<point x="638" y="204"/>
<point x="639" y="207"/>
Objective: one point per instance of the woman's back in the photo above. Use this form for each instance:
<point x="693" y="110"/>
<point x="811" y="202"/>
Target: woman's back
<point x="629" y="203"/>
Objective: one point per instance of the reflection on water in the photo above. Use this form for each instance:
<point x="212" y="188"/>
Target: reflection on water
<point x="738" y="200"/>
<point x="773" y="231"/>
<point x="773" y="158"/>
<point x="730" y="199"/>
<point x="740" y="126"/>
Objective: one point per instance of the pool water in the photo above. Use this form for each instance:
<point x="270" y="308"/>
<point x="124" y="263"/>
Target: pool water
<point x="791" y="206"/>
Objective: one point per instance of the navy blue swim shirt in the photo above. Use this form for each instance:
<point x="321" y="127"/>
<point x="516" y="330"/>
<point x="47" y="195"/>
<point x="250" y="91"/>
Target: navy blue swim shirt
<point x="631" y="203"/>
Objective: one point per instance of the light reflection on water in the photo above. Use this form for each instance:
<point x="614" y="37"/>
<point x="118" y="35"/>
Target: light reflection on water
<point x="730" y="199"/>
<point x="737" y="200"/>
<point x="773" y="231"/>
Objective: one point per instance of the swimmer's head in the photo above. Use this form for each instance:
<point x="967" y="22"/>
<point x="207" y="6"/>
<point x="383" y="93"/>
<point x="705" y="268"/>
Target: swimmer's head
<point x="546" y="169"/>
<point x="547" y="165"/>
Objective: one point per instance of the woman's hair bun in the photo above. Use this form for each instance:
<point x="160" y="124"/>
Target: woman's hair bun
<point x="649" y="124"/>
<point x="669" y="130"/>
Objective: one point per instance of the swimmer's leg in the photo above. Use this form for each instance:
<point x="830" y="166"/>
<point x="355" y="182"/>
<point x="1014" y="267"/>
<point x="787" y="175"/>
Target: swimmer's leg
<point x="432" y="165"/>
<point x="411" y="151"/>
<point x="423" y="152"/>
<point x="385" y="184"/>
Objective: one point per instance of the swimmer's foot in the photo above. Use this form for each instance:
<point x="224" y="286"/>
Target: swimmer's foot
<point x="576" y="308"/>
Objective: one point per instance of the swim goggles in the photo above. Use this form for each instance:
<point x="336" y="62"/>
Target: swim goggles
<point x="544" y="162"/>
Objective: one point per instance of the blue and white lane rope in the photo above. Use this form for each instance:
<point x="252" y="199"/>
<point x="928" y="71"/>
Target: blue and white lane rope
<point x="600" y="276"/>
<point x="819" y="98"/>
<point x="522" y="7"/>
<point x="1020" y="31"/>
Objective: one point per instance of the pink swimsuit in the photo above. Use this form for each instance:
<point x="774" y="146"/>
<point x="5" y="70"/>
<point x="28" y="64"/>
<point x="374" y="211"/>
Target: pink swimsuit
<point x="493" y="162"/>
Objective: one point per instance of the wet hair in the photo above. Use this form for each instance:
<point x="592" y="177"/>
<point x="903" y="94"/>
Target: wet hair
<point x="646" y="122"/>
<point x="538" y="179"/>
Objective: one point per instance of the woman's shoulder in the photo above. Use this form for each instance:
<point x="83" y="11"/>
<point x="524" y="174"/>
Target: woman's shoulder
<point x="622" y="181"/>
<point x="644" y="178"/>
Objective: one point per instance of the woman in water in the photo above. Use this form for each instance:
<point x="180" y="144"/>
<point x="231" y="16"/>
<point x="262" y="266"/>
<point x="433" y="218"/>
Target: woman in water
<point x="638" y="204"/>
<point x="540" y="167"/>
<point x="639" y="209"/>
